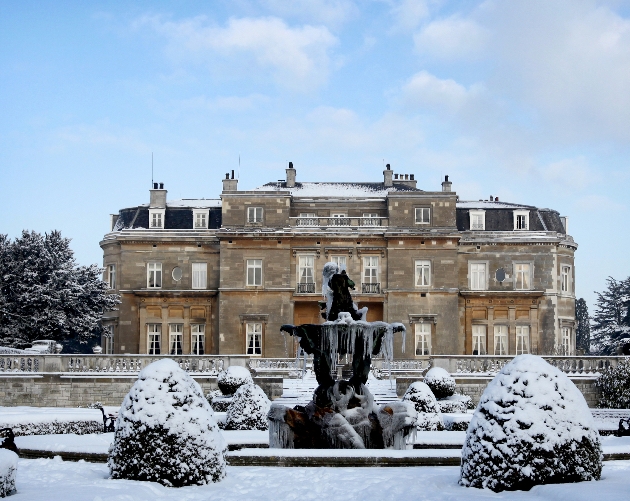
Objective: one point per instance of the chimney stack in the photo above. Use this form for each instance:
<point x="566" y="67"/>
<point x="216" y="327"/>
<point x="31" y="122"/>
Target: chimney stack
<point x="446" y="184"/>
<point x="387" y="176"/>
<point x="157" y="198"/>
<point x="290" y="176"/>
<point x="230" y="184"/>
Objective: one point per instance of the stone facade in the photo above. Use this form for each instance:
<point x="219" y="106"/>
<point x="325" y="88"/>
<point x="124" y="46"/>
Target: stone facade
<point x="464" y="277"/>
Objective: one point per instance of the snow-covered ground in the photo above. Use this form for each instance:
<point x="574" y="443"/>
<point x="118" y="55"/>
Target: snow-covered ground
<point x="53" y="479"/>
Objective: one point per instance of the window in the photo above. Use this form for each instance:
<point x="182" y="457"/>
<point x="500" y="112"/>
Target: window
<point x="478" y="276"/>
<point x="156" y="218"/>
<point x="339" y="219"/>
<point x="154" y="275"/>
<point x="111" y="276"/>
<point x="479" y="339"/>
<point x="522" y="276"/>
<point x="500" y="339"/>
<point x="306" y="274"/>
<point x="197" y="338"/>
<point x="155" y="333"/>
<point x="566" y="340"/>
<point x="423" y="339"/>
<point x="254" y="272"/>
<point x="565" y="279"/>
<point x="339" y="261"/>
<point x="200" y="219"/>
<point x="254" y="214"/>
<point x="522" y="339"/>
<point x="423" y="273"/>
<point x="478" y="220"/>
<point x="175" y="338"/>
<point x="108" y="339"/>
<point x="254" y="338"/>
<point x="370" y="269"/>
<point x="423" y="215"/>
<point x="307" y="219"/>
<point x="521" y="220"/>
<point x="199" y="275"/>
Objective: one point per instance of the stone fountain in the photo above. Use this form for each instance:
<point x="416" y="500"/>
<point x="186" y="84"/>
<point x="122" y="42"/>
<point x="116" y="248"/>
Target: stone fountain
<point x="342" y="414"/>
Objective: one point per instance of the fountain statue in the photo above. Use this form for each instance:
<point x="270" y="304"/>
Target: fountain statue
<point x="342" y="413"/>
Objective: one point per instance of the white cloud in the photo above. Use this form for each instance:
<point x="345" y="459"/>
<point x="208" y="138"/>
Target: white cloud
<point x="298" y="57"/>
<point x="570" y="172"/>
<point x="428" y="91"/>
<point x="328" y="12"/>
<point x="451" y="38"/>
<point x="408" y="14"/>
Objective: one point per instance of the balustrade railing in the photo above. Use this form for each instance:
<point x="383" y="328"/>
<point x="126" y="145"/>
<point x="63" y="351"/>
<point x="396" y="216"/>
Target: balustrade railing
<point x="13" y="363"/>
<point x="374" y="288"/>
<point x="134" y="364"/>
<point x="338" y="221"/>
<point x="305" y="288"/>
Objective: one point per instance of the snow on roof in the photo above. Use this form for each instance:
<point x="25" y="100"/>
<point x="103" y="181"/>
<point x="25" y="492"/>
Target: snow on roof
<point x="200" y="203"/>
<point x="370" y="190"/>
<point x="485" y="204"/>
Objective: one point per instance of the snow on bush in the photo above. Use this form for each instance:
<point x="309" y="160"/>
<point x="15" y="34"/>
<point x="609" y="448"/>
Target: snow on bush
<point x="456" y="421"/>
<point x="165" y="431"/>
<point x="532" y="426"/>
<point x="442" y="384"/>
<point x="50" y="420"/>
<point x="614" y="386"/>
<point x="8" y="467"/>
<point x="248" y="410"/>
<point x="429" y="418"/>
<point x="218" y="401"/>
<point x="233" y="378"/>
<point x="455" y="404"/>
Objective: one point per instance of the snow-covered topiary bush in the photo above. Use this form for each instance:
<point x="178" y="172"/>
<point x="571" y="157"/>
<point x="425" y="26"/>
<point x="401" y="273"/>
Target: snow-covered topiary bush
<point x="614" y="386"/>
<point x="455" y="404"/>
<point x="442" y="384"/>
<point x="532" y="426"/>
<point x="165" y="431"/>
<point x="248" y="410"/>
<point x="218" y="401"/>
<point x="232" y="379"/>
<point x="8" y="467"/>
<point x="429" y="418"/>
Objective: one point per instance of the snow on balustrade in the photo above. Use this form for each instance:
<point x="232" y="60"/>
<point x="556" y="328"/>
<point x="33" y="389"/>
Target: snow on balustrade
<point x="112" y="364"/>
<point x="20" y="364"/>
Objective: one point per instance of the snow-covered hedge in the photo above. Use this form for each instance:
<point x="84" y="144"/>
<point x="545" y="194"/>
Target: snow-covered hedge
<point x="218" y="401"/>
<point x="248" y="410"/>
<point x="442" y="384"/>
<point x="165" y="431"/>
<point x="456" y="421"/>
<point x="455" y="404"/>
<point x="8" y="467"/>
<point x="51" y="420"/>
<point x="233" y="378"/>
<point x="532" y="426"/>
<point x="420" y="395"/>
<point x="614" y="386"/>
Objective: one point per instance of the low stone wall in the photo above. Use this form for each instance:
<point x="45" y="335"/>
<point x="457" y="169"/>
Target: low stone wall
<point x="70" y="390"/>
<point x="475" y="386"/>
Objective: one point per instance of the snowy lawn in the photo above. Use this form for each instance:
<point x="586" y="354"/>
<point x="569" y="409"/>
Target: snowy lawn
<point x="53" y="479"/>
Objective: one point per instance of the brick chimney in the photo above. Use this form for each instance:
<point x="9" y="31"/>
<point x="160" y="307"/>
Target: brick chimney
<point x="387" y="176"/>
<point x="290" y="176"/>
<point x="446" y="184"/>
<point x="230" y="184"/>
<point x="158" y="196"/>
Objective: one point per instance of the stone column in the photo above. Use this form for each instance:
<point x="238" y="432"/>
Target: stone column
<point x="534" y="334"/>
<point x="490" y="334"/>
<point x="142" y="331"/>
<point x="186" y="334"/>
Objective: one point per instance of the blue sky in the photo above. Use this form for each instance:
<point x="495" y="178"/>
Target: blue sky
<point x="527" y="100"/>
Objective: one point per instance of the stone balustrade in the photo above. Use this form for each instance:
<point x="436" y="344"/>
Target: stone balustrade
<point x="328" y="222"/>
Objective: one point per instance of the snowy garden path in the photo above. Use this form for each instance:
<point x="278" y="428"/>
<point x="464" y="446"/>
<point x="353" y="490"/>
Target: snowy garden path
<point x="53" y="479"/>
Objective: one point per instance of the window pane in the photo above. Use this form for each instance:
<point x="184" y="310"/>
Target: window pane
<point x="199" y="279"/>
<point x="423" y="273"/>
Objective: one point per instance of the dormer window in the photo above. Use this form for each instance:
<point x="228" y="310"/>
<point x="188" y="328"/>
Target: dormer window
<point x="477" y="220"/>
<point x="521" y="220"/>
<point x="254" y="214"/>
<point x="200" y="219"/>
<point x="156" y="218"/>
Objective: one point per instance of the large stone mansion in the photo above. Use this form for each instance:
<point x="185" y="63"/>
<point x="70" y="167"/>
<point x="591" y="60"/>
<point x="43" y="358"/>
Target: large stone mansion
<point x="221" y="276"/>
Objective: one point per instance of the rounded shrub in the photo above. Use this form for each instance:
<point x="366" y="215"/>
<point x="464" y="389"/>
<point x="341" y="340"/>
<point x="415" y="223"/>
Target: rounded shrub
<point x="532" y="426"/>
<point x="420" y="395"/>
<point x="218" y="401"/>
<point x="165" y="431"/>
<point x="248" y="410"/>
<point x="614" y="386"/>
<point x="442" y="384"/>
<point x="232" y="379"/>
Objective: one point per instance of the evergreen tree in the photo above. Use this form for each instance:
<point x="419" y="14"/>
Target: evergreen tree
<point x="44" y="294"/>
<point x="611" y="322"/>
<point x="583" y="332"/>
